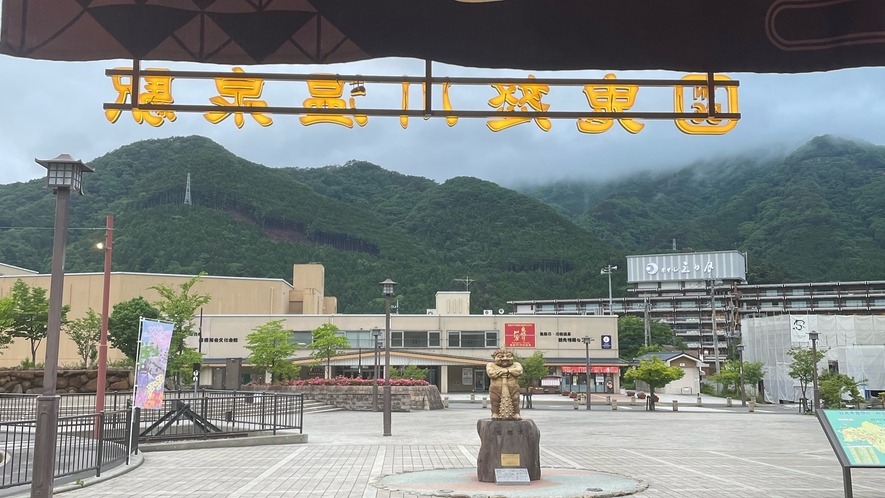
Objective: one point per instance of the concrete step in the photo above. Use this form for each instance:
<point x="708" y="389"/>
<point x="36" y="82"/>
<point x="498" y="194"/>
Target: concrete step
<point x="311" y="406"/>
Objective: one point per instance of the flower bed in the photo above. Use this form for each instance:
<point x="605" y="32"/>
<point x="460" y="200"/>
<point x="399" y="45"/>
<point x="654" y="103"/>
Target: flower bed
<point x="356" y="393"/>
<point x="343" y="381"/>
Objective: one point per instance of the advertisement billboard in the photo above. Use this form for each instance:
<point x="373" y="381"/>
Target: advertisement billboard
<point x="720" y="265"/>
<point x="519" y="335"/>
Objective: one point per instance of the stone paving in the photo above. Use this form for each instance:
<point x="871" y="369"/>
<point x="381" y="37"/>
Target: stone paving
<point x="681" y="455"/>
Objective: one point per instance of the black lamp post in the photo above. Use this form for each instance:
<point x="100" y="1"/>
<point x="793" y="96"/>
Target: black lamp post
<point x="376" y="333"/>
<point x="740" y="348"/>
<point x="387" y="290"/>
<point x="64" y="174"/>
<point x="587" y="341"/>
<point x="813" y="335"/>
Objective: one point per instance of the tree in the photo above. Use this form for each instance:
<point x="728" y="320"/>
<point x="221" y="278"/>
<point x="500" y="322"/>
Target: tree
<point x="802" y="368"/>
<point x="86" y="332"/>
<point x="326" y="344"/>
<point x="655" y="373"/>
<point x="30" y="314"/>
<point x="409" y="372"/>
<point x="6" y="321"/>
<point x="834" y="386"/>
<point x="533" y="369"/>
<point x="179" y="308"/>
<point x="271" y="348"/>
<point x="123" y="324"/>
<point x="631" y="335"/>
<point x="753" y="374"/>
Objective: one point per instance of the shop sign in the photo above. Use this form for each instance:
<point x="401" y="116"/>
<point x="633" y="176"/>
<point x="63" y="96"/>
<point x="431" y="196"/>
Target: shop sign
<point x="519" y="335"/>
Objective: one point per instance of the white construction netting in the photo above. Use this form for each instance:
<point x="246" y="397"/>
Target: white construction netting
<point x="856" y="343"/>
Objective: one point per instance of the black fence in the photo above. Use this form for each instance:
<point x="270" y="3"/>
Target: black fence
<point x="85" y="445"/>
<point x="209" y="414"/>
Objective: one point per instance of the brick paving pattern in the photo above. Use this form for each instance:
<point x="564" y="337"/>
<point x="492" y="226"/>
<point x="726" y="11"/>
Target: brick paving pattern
<point x="681" y="455"/>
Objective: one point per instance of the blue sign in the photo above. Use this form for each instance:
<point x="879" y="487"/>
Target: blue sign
<point x="606" y="342"/>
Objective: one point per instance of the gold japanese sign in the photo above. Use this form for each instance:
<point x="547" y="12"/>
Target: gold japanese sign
<point x="696" y="110"/>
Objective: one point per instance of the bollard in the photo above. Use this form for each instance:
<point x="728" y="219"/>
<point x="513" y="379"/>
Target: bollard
<point x="484" y="402"/>
<point x="728" y="402"/>
<point x="614" y="405"/>
<point x="632" y="400"/>
<point x="472" y="397"/>
<point x="576" y="404"/>
<point x="446" y="402"/>
<point x="675" y="405"/>
<point x="751" y="406"/>
<point x="699" y="400"/>
<point x="608" y="400"/>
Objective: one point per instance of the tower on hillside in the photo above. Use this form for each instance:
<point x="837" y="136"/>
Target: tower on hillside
<point x="187" y="191"/>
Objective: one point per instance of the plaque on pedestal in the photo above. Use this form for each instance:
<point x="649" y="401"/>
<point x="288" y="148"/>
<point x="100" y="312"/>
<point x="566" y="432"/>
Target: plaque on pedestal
<point x="512" y="477"/>
<point x="508" y="445"/>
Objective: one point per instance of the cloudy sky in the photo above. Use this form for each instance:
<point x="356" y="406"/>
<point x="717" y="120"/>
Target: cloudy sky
<point x="56" y="107"/>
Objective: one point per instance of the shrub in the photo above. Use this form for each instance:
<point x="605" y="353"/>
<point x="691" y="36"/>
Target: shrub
<point x="641" y="395"/>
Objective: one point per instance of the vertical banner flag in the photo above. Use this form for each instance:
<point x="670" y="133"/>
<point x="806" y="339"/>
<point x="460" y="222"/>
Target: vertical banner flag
<point x="150" y="368"/>
<point x="519" y="335"/>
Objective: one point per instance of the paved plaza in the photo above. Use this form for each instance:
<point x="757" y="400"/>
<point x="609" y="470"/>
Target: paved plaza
<point x="718" y="452"/>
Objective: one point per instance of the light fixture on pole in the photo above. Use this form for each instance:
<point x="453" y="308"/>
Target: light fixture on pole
<point x="587" y="341"/>
<point x="64" y="174"/>
<point x="608" y="271"/>
<point x="387" y="287"/>
<point x="813" y="335"/>
<point x="101" y="380"/>
<point x="740" y="348"/>
<point x="376" y="333"/>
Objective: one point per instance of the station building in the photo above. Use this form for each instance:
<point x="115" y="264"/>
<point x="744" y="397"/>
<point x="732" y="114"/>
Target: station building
<point x="451" y="343"/>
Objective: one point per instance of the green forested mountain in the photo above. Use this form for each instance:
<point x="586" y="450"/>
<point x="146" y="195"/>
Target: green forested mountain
<point x="363" y="223"/>
<point x="817" y="214"/>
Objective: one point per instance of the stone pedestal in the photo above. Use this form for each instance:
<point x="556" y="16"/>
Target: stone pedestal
<point x="508" y="444"/>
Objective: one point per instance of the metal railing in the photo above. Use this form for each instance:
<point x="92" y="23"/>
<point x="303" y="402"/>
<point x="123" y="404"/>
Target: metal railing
<point x="221" y="414"/>
<point x="85" y="444"/>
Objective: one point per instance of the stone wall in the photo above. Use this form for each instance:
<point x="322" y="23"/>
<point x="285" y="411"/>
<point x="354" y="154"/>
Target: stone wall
<point x="359" y="398"/>
<point x="69" y="381"/>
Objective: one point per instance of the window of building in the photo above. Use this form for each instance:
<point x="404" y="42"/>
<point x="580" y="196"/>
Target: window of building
<point x="853" y="303"/>
<point x="569" y="307"/>
<point x="770" y="292"/>
<point x="301" y="338"/>
<point x="799" y="304"/>
<point x="688" y="304"/>
<point x="826" y="303"/>
<point x="473" y="338"/>
<point x="396" y="338"/>
<point x="434" y="338"/>
<point x="879" y="302"/>
<point x="545" y="308"/>
<point x="360" y="338"/>
<point x="799" y="292"/>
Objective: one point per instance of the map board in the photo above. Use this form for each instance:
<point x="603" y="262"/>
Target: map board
<point x="857" y="436"/>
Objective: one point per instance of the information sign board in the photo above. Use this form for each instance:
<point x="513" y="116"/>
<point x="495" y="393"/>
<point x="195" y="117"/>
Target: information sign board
<point x="857" y="436"/>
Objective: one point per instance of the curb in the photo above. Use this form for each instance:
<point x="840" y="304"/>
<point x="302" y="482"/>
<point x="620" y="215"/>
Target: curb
<point x="239" y="442"/>
<point x="135" y="461"/>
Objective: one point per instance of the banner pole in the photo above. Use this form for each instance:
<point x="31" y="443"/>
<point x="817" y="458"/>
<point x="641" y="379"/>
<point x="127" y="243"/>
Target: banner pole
<point x="134" y="388"/>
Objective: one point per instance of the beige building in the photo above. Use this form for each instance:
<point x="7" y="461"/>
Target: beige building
<point x="230" y="295"/>
<point x="451" y="344"/>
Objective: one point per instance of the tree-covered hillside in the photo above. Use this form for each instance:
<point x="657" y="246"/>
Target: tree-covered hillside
<point x="363" y="223"/>
<point x="815" y="215"/>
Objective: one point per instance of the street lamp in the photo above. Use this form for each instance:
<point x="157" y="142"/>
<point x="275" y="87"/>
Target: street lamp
<point x="101" y="380"/>
<point x="608" y="271"/>
<point x="587" y="341"/>
<point x="387" y="290"/>
<point x="376" y="333"/>
<point x="64" y="174"/>
<point x="740" y="348"/>
<point x="813" y="335"/>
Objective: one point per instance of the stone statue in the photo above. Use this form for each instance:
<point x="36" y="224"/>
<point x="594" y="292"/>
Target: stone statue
<point x="504" y="388"/>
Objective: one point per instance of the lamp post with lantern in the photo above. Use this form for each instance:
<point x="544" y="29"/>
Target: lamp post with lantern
<point x="387" y="287"/>
<point x="587" y="341"/>
<point x="376" y="334"/>
<point x="813" y="335"/>
<point x="64" y="174"/>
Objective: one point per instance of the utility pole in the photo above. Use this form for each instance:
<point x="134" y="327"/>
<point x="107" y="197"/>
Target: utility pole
<point x="187" y="191"/>
<point x="713" y="322"/>
<point x="466" y="281"/>
<point x="647" y="324"/>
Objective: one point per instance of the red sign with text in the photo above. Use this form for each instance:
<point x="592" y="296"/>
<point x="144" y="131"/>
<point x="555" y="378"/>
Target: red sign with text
<point x="592" y="369"/>
<point x="519" y="335"/>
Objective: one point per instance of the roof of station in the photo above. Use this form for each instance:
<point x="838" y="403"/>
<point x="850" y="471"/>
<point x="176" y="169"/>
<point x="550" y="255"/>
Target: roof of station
<point x="766" y="36"/>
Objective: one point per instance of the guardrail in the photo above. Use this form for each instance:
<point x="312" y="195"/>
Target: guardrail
<point x="80" y="448"/>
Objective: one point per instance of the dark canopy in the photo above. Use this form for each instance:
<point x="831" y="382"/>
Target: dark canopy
<point x="684" y="35"/>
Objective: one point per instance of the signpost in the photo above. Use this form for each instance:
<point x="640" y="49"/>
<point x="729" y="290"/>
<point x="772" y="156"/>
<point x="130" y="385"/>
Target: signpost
<point x="857" y="437"/>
